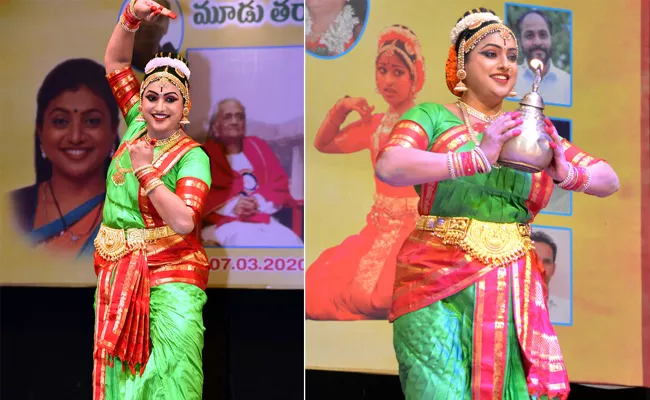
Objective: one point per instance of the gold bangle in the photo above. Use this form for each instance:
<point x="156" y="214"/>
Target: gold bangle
<point x="132" y="9"/>
<point x="152" y="185"/>
<point x="142" y="168"/>
<point x="126" y="27"/>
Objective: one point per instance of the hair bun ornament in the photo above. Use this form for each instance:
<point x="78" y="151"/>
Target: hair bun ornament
<point x="472" y="21"/>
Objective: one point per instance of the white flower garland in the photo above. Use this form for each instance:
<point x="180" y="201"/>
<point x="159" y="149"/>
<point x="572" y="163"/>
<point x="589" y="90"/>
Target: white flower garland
<point x="339" y="33"/>
<point x="469" y="21"/>
<point x="163" y="61"/>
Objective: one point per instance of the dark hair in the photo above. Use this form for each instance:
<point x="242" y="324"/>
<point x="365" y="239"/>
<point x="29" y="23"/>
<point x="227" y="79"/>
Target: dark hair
<point x="544" y="238"/>
<point x="71" y="75"/>
<point x="173" y="71"/>
<point x="533" y="11"/>
<point x="469" y="32"/>
<point x="402" y="46"/>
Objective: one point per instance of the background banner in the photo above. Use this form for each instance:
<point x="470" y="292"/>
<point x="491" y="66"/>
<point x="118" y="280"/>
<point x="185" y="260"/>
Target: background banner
<point x="356" y="224"/>
<point x="250" y="52"/>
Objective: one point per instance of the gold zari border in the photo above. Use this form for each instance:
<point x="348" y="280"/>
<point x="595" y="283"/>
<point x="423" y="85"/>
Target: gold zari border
<point x="112" y="244"/>
<point x="490" y="243"/>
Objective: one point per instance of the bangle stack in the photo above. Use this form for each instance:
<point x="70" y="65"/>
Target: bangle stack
<point x="578" y="179"/>
<point x="468" y="163"/>
<point x="148" y="177"/>
<point x="128" y="20"/>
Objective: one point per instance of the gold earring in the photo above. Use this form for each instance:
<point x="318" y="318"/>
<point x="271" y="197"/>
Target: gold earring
<point x="184" y="120"/>
<point x="139" y="118"/>
<point x="460" y="87"/>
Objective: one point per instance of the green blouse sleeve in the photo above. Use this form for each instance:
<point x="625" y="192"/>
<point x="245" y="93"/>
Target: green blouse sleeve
<point x="133" y="126"/>
<point x="434" y="118"/>
<point x="196" y="164"/>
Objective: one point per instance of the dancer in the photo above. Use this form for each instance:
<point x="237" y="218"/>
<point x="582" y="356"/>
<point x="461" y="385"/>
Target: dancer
<point x="151" y="268"/>
<point x="354" y="280"/>
<point x="469" y="314"/>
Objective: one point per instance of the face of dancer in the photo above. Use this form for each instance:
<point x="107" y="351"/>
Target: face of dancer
<point x="162" y="108"/>
<point x="76" y="135"/>
<point x="231" y="121"/>
<point x="393" y="79"/>
<point x="545" y="253"/>
<point x="535" y="38"/>
<point x="492" y="67"/>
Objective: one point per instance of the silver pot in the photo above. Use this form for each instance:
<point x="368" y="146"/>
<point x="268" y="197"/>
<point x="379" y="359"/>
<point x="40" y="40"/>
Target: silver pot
<point x="530" y="151"/>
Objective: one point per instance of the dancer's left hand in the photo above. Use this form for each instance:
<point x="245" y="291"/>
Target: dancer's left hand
<point x="559" y="168"/>
<point x="141" y="153"/>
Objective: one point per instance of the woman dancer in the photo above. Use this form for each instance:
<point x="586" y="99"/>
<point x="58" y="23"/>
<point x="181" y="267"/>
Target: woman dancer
<point x="469" y="315"/>
<point x="151" y="267"/>
<point x="354" y="280"/>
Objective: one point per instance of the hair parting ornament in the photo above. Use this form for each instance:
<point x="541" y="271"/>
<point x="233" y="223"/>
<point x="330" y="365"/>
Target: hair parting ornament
<point x="474" y="19"/>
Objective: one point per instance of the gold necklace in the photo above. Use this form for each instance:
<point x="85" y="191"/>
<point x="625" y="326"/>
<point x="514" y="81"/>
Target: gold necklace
<point x="470" y="128"/>
<point x="163" y="142"/>
<point x="476" y="113"/>
<point x="119" y="176"/>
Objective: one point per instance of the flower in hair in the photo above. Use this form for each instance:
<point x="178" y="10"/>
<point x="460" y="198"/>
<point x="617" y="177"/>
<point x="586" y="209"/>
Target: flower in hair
<point x="472" y="20"/>
<point x="167" y="61"/>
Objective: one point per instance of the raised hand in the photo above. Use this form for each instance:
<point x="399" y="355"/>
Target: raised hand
<point x="149" y="11"/>
<point x="358" y="104"/>
<point x="498" y="132"/>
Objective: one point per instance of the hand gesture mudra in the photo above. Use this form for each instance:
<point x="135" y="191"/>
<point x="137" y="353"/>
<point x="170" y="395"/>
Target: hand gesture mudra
<point x="496" y="134"/>
<point x="149" y="11"/>
<point x="358" y="104"/>
<point x="141" y="153"/>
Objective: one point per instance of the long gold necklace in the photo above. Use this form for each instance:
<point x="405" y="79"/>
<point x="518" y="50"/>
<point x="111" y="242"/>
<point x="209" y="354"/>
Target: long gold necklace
<point x="470" y="128"/>
<point x="119" y="176"/>
<point x="476" y="113"/>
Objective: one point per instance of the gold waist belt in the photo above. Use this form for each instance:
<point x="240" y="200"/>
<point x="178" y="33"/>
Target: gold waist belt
<point x="113" y="244"/>
<point x="488" y="242"/>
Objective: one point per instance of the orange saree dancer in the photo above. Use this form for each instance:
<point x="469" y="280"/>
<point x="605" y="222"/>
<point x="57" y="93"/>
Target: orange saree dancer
<point x="354" y="280"/>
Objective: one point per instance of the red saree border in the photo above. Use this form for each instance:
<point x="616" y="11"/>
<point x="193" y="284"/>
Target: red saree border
<point x="490" y="345"/>
<point x="645" y="188"/>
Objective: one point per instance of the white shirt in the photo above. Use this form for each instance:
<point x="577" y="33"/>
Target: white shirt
<point x="240" y="163"/>
<point x="555" y="87"/>
<point x="559" y="309"/>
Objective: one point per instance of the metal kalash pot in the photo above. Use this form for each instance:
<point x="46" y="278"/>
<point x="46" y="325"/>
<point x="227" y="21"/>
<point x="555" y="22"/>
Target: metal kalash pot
<point x="529" y="152"/>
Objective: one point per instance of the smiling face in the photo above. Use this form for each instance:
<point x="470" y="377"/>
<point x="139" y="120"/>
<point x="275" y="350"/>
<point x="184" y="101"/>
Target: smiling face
<point x="76" y="134"/>
<point x="393" y="79"/>
<point x="492" y="67"/>
<point x="162" y="108"/>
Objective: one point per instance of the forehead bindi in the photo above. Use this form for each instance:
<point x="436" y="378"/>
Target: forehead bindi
<point x="77" y="101"/>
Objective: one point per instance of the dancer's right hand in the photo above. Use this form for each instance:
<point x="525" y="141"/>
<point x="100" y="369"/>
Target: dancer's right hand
<point x="148" y="10"/>
<point x="358" y="104"/>
<point x="496" y="134"/>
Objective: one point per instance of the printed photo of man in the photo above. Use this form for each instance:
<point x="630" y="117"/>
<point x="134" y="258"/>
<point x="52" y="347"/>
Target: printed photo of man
<point x="540" y="38"/>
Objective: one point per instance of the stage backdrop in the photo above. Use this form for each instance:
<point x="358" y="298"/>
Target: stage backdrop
<point x="599" y="291"/>
<point x="251" y="51"/>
